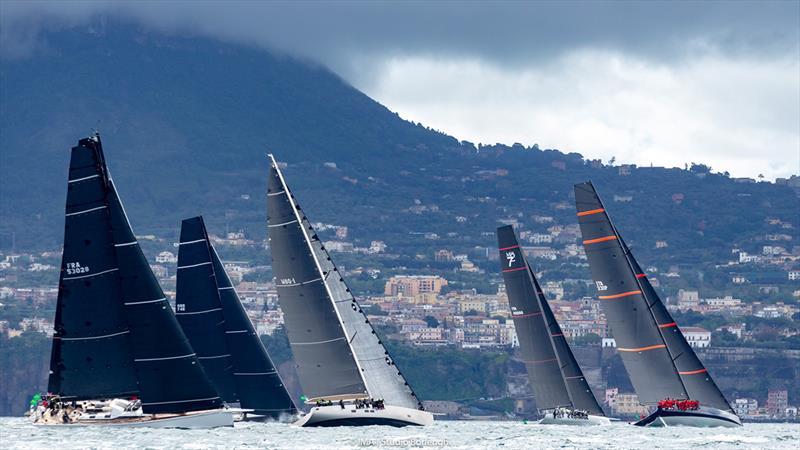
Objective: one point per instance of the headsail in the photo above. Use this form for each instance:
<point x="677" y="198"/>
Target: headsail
<point x="695" y="377"/>
<point x="198" y="308"/>
<point x="381" y="377"/>
<point x="534" y="336"/>
<point x="639" y="341"/>
<point x="91" y="355"/>
<point x="578" y="388"/>
<point x="257" y="383"/>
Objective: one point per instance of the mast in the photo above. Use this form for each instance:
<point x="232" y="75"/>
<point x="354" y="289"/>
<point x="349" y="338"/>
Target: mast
<point x="578" y="388"/>
<point x="381" y="376"/>
<point x="248" y="367"/>
<point x="535" y="345"/>
<point x="639" y="340"/>
<point x="199" y="310"/>
<point x="694" y="375"/>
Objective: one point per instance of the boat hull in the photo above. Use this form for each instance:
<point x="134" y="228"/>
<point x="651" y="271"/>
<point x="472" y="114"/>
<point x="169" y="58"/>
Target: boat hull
<point x="191" y="420"/>
<point x="590" y="421"/>
<point x="704" y="417"/>
<point x="336" y="416"/>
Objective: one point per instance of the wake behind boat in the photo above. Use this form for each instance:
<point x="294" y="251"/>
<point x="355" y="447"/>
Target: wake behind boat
<point x="339" y="356"/>
<point x="119" y="356"/>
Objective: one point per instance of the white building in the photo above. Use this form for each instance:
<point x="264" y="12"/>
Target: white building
<point x="697" y="337"/>
<point x="166" y="257"/>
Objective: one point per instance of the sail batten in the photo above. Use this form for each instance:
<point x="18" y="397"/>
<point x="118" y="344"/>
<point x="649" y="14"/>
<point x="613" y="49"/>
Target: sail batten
<point x="640" y="342"/>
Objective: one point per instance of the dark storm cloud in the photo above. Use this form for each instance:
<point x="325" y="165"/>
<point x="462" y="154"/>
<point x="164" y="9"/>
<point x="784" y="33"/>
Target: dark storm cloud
<point x="344" y="35"/>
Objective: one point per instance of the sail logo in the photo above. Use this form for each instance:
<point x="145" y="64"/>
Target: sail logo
<point x="74" y="268"/>
<point x="180" y="307"/>
<point x="601" y="286"/>
<point x="511" y="257"/>
<point x="287" y="281"/>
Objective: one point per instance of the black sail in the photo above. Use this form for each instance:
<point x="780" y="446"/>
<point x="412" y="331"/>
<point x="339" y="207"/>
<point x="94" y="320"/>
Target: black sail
<point x="91" y="356"/>
<point x="171" y="379"/>
<point x="248" y="367"/>
<point x="198" y="308"/>
<point x="639" y="341"/>
<point x="694" y="375"/>
<point x="325" y="361"/>
<point x="578" y="388"/>
<point x="534" y="336"/>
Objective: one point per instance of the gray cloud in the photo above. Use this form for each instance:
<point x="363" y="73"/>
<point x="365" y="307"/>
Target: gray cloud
<point x="350" y="36"/>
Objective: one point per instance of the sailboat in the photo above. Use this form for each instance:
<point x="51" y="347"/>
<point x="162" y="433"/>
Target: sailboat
<point x="343" y="367"/>
<point x="214" y="320"/>
<point x="558" y="383"/>
<point x="663" y="367"/>
<point x="119" y="356"/>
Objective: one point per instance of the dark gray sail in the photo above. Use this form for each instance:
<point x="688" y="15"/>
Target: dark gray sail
<point x="578" y="388"/>
<point x="382" y="378"/>
<point x="325" y="361"/>
<point x="532" y="331"/>
<point x="249" y="369"/>
<point x="198" y="308"/>
<point x="91" y="356"/>
<point x="639" y="341"/>
<point x="695" y="377"/>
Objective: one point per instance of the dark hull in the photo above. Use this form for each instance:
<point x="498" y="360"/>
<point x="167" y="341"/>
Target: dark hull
<point x="703" y="417"/>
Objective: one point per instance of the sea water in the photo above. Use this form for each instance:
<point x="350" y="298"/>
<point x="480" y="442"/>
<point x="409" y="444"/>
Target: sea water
<point x="16" y="433"/>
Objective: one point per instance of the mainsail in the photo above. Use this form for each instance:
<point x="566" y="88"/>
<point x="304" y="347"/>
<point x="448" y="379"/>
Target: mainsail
<point x="119" y="296"/>
<point x="644" y="351"/>
<point x="199" y="310"/>
<point x="337" y="351"/>
<point x="577" y="387"/>
<point x="534" y="336"/>
<point x="257" y="383"/>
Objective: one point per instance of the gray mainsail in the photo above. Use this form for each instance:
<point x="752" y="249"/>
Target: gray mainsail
<point x="323" y="289"/>
<point x="639" y="340"/>
<point x="534" y="336"/>
<point x="578" y="388"/>
<point x="695" y="377"/>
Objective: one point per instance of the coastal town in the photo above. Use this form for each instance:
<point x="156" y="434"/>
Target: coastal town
<point x="431" y="311"/>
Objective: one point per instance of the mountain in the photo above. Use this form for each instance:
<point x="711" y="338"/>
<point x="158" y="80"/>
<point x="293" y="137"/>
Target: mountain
<point x="187" y="121"/>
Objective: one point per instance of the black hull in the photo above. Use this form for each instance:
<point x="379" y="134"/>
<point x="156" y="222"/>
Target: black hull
<point x="704" y="417"/>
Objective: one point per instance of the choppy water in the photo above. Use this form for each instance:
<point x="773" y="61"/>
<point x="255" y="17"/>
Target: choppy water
<point x="19" y="434"/>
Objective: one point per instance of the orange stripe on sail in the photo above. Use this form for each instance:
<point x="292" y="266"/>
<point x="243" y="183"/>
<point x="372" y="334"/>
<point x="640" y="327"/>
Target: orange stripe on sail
<point x="641" y="349"/>
<point x="590" y="212"/>
<point x="667" y="325"/>
<point x="624" y="294"/>
<point x="692" y="372"/>
<point x="640" y="275"/>
<point x="602" y="239"/>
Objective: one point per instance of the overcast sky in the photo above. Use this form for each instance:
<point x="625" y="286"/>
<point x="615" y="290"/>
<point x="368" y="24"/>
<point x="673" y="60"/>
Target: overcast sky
<point x="646" y="82"/>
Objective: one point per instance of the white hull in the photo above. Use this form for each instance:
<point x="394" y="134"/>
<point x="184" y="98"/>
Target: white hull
<point x="192" y="420"/>
<point x="333" y="416"/>
<point x="590" y="421"/>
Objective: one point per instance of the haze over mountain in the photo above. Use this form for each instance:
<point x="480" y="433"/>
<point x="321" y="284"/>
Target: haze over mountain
<point x="186" y="123"/>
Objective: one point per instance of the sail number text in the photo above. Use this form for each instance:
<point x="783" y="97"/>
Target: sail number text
<point x="74" y="268"/>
